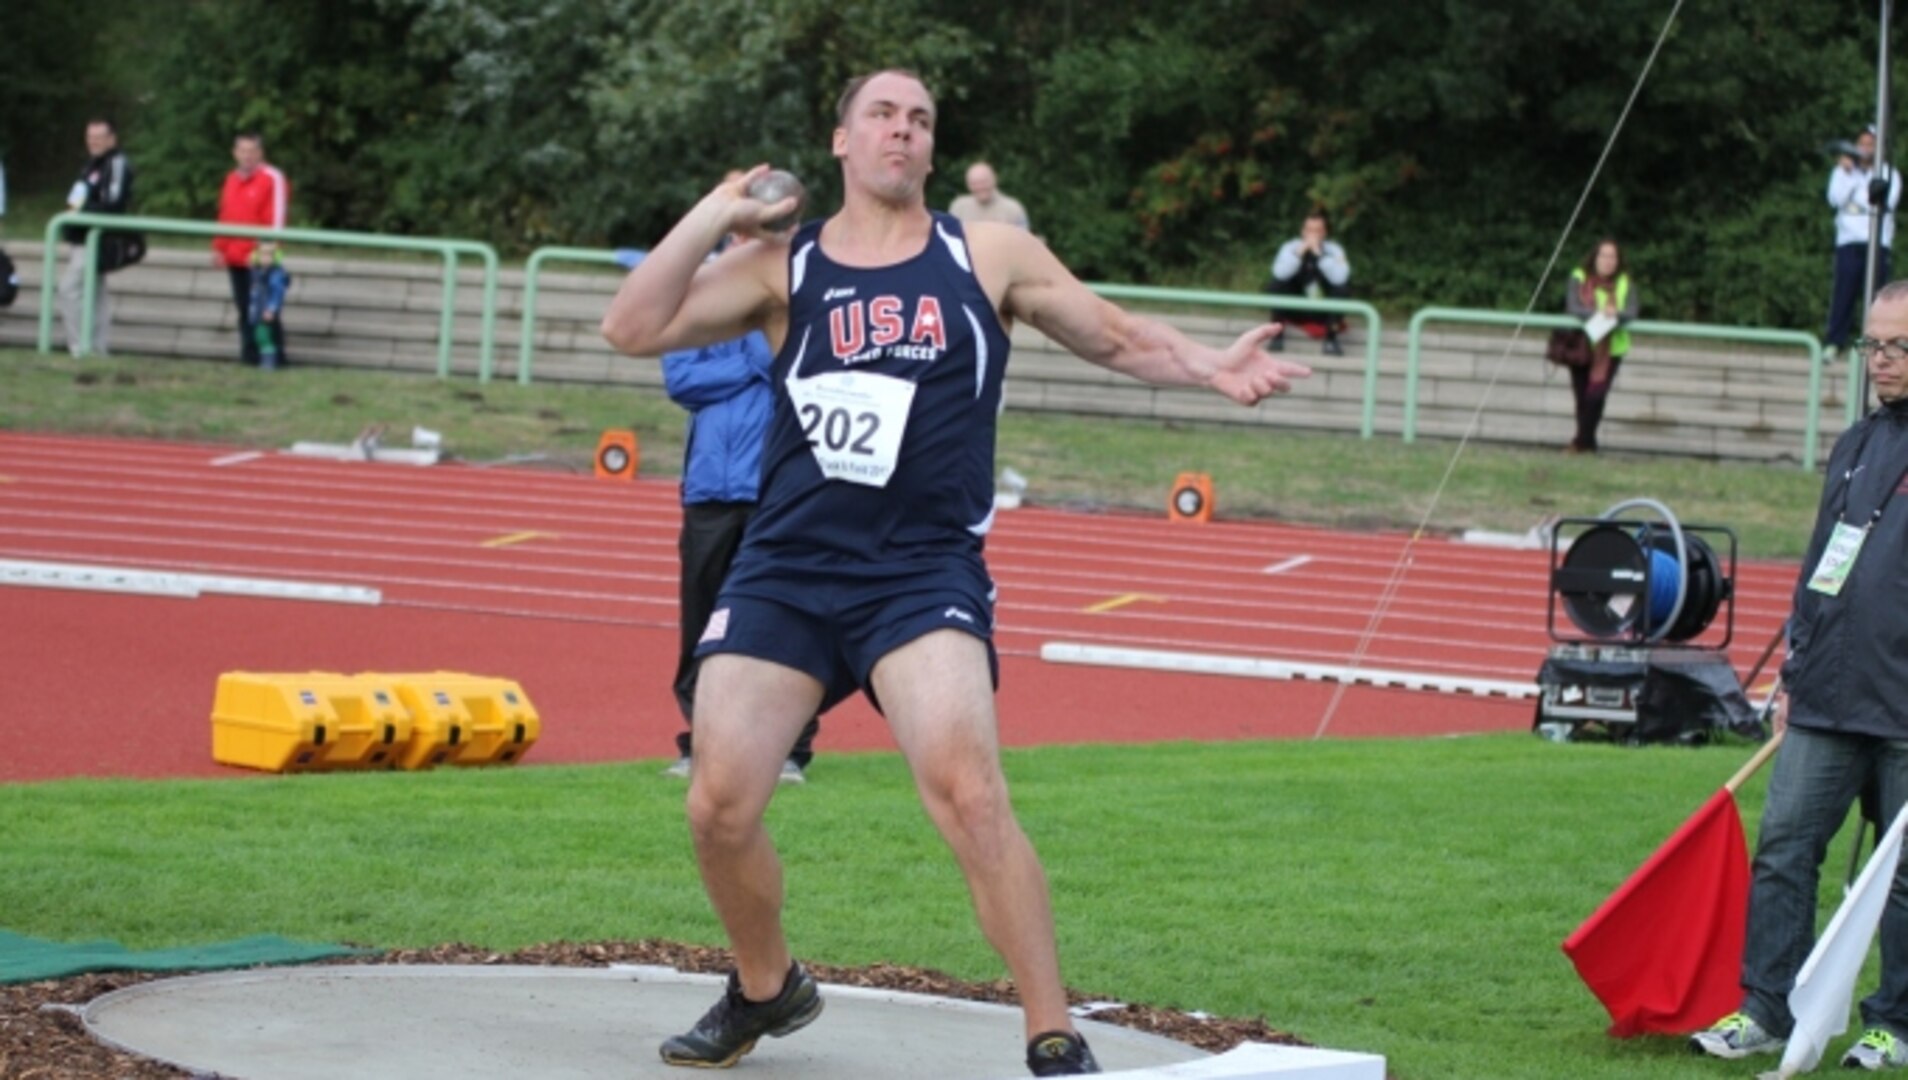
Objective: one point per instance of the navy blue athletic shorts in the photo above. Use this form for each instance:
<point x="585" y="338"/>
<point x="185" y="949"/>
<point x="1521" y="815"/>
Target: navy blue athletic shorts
<point x="836" y="632"/>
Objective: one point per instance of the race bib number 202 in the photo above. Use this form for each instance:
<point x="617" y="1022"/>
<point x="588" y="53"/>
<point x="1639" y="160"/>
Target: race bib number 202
<point x="854" y="422"/>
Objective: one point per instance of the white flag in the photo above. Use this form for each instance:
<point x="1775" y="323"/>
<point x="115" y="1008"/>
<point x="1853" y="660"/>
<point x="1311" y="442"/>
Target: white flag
<point x="1826" y="985"/>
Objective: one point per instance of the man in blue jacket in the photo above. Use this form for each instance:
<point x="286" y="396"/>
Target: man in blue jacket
<point x="725" y="387"/>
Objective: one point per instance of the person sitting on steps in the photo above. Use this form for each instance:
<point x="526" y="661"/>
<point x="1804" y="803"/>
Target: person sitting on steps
<point x="1312" y="265"/>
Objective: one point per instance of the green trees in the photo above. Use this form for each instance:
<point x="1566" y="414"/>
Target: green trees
<point x="1171" y="142"/>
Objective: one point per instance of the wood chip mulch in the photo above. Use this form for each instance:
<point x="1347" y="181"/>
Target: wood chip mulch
<point x="42" y="1038"/>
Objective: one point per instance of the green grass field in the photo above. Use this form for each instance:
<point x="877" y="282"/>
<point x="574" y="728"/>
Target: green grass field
<point x="1401" y="897"/>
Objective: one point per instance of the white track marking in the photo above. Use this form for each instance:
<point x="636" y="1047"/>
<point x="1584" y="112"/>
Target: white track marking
<point x="1062" y="652"/>
<point x="51" y="575"/>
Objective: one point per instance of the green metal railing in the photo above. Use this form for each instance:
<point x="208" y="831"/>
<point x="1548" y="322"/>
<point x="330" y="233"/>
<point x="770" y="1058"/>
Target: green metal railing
<point x="532" y="270"/>
<point x="450" y="251"/>
<point x="1749" y="334"/>
<point x="1373" y="331"/>
<point x="1852" y="405"/>
<point x="447" y="248"/>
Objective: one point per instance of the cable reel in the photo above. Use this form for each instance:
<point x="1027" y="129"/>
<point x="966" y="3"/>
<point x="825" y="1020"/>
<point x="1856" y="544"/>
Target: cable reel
<point x="1642" y="581"/>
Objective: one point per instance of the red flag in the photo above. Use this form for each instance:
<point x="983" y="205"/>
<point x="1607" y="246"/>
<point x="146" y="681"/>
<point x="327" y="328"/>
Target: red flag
<point x="1664" y="952"/>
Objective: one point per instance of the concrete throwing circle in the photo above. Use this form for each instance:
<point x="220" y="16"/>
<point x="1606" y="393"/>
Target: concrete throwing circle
<point x="463" y="1023"/>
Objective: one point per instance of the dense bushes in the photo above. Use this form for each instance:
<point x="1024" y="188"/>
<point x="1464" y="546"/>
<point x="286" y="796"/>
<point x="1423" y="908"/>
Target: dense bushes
<point x="1151" y="141"/>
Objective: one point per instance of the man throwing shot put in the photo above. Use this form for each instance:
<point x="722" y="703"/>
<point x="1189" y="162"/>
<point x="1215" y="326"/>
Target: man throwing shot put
<point x="862" y="569"/>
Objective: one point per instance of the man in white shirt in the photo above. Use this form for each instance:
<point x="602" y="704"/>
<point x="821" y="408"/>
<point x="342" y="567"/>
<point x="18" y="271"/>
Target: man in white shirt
<point x="1848" y="195"/>
<point x="1312" y="265"/>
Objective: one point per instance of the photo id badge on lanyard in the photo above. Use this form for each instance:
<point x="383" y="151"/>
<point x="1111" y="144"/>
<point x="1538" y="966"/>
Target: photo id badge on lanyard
<point x="1838" y="559"/>
<point x="854" y="422"/>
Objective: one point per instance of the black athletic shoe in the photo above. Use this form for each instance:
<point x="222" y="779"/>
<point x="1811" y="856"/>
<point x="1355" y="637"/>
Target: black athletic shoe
<point x="731" y="1027"/>
<point x="1060" y="1053"/>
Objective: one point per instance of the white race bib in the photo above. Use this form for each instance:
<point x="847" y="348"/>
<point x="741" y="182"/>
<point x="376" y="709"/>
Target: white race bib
<point x="854" y="421"/>
<point x="1838" y="558"/>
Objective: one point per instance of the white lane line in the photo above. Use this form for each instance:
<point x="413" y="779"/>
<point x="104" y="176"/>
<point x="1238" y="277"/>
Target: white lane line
<point x="51" y="575"/>
<point x="1292" y="563"/>
<point x="95" y="579"/>
<point x="238" y="459"/>
<point x="663" y="598"/>
<point x="1061" y="652"/>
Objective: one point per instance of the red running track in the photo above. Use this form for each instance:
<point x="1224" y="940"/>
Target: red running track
<point x="567" y="585"/>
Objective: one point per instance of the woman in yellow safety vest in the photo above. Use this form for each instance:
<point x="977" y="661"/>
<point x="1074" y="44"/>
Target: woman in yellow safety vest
<point x="1599" y="292"/>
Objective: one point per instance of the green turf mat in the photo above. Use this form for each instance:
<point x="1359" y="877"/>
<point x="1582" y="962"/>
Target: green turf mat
<point x="25" y="959"/>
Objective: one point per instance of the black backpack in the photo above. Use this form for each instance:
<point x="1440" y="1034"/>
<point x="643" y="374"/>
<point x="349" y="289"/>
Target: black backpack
<point x="118" y="250"/>
<point x="9" y="281"/>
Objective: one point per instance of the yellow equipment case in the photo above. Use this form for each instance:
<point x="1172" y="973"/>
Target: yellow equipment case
<point x="308" y="722"/>
<point x="465" y="719"/>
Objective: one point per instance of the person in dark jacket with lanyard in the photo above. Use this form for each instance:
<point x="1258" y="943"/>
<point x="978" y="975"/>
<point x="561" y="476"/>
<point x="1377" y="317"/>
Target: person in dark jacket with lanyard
<point x="725" y="388"/>
<point x="1844" y="700"/>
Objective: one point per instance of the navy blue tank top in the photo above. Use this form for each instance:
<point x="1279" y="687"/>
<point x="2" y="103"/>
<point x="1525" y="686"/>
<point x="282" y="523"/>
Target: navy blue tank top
<point x="880" y="454"/>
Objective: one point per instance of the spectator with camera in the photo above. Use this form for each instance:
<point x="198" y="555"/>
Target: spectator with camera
<point x="1312" y="265"/>
<point x="1849" y="196"/>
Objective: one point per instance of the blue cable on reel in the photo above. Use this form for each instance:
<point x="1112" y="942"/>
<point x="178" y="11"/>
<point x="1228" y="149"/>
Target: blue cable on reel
<point x="1666" y="580"/>
<point x="1644" y="582"/>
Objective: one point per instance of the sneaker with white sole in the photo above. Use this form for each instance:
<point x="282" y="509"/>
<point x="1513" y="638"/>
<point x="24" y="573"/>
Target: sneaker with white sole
<point x="1735" y="1036"/>
<point x="791" y="773"/>
<point x="1877" y="1049"/>
<point x="680" y="769"/>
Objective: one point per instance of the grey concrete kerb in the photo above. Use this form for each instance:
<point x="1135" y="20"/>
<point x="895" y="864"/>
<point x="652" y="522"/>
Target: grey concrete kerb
<point x="416" y="1022"/>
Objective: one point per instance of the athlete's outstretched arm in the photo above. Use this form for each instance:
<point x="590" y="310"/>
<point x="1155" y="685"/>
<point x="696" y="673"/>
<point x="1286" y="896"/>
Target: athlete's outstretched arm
<point x="1047" y="295"/>
<point x="674" y="299"/>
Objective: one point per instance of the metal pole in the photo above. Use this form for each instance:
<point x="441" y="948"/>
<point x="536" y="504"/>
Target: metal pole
<point x="89" y="293"/>
<point x="445" y="319"/>
<point x="526" y="344"/>
<point x="487" y="345"/>
<point x="1879" y="184"/>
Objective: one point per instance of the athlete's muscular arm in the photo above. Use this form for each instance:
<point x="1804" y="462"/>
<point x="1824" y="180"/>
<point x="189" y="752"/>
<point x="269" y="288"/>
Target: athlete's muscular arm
<point x="674" y="299"/>
<point x="1035" y="286"/>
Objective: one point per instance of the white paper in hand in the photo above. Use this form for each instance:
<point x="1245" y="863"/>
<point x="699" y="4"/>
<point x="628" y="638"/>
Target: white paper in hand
<point x="1599" y="326"/>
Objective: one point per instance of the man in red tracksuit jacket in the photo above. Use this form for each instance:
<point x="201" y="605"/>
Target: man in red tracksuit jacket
<point x="255" y="193"/>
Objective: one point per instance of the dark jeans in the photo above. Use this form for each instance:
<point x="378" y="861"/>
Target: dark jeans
<point x="248" y="335"/>
<point x="1817" y="777"/>
<point x="711" y="535"/>
<point x="1297" y="285"/>
<point x="1851" y="263"/>
<point x="1591" y="398"/>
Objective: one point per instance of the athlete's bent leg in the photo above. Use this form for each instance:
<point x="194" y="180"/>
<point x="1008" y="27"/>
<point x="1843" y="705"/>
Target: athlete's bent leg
<point x="748" y="712"/>
<point x="938" y="694"/>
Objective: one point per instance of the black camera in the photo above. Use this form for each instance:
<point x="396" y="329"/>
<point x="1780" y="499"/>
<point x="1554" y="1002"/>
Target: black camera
<point x="1844" y="148"/>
